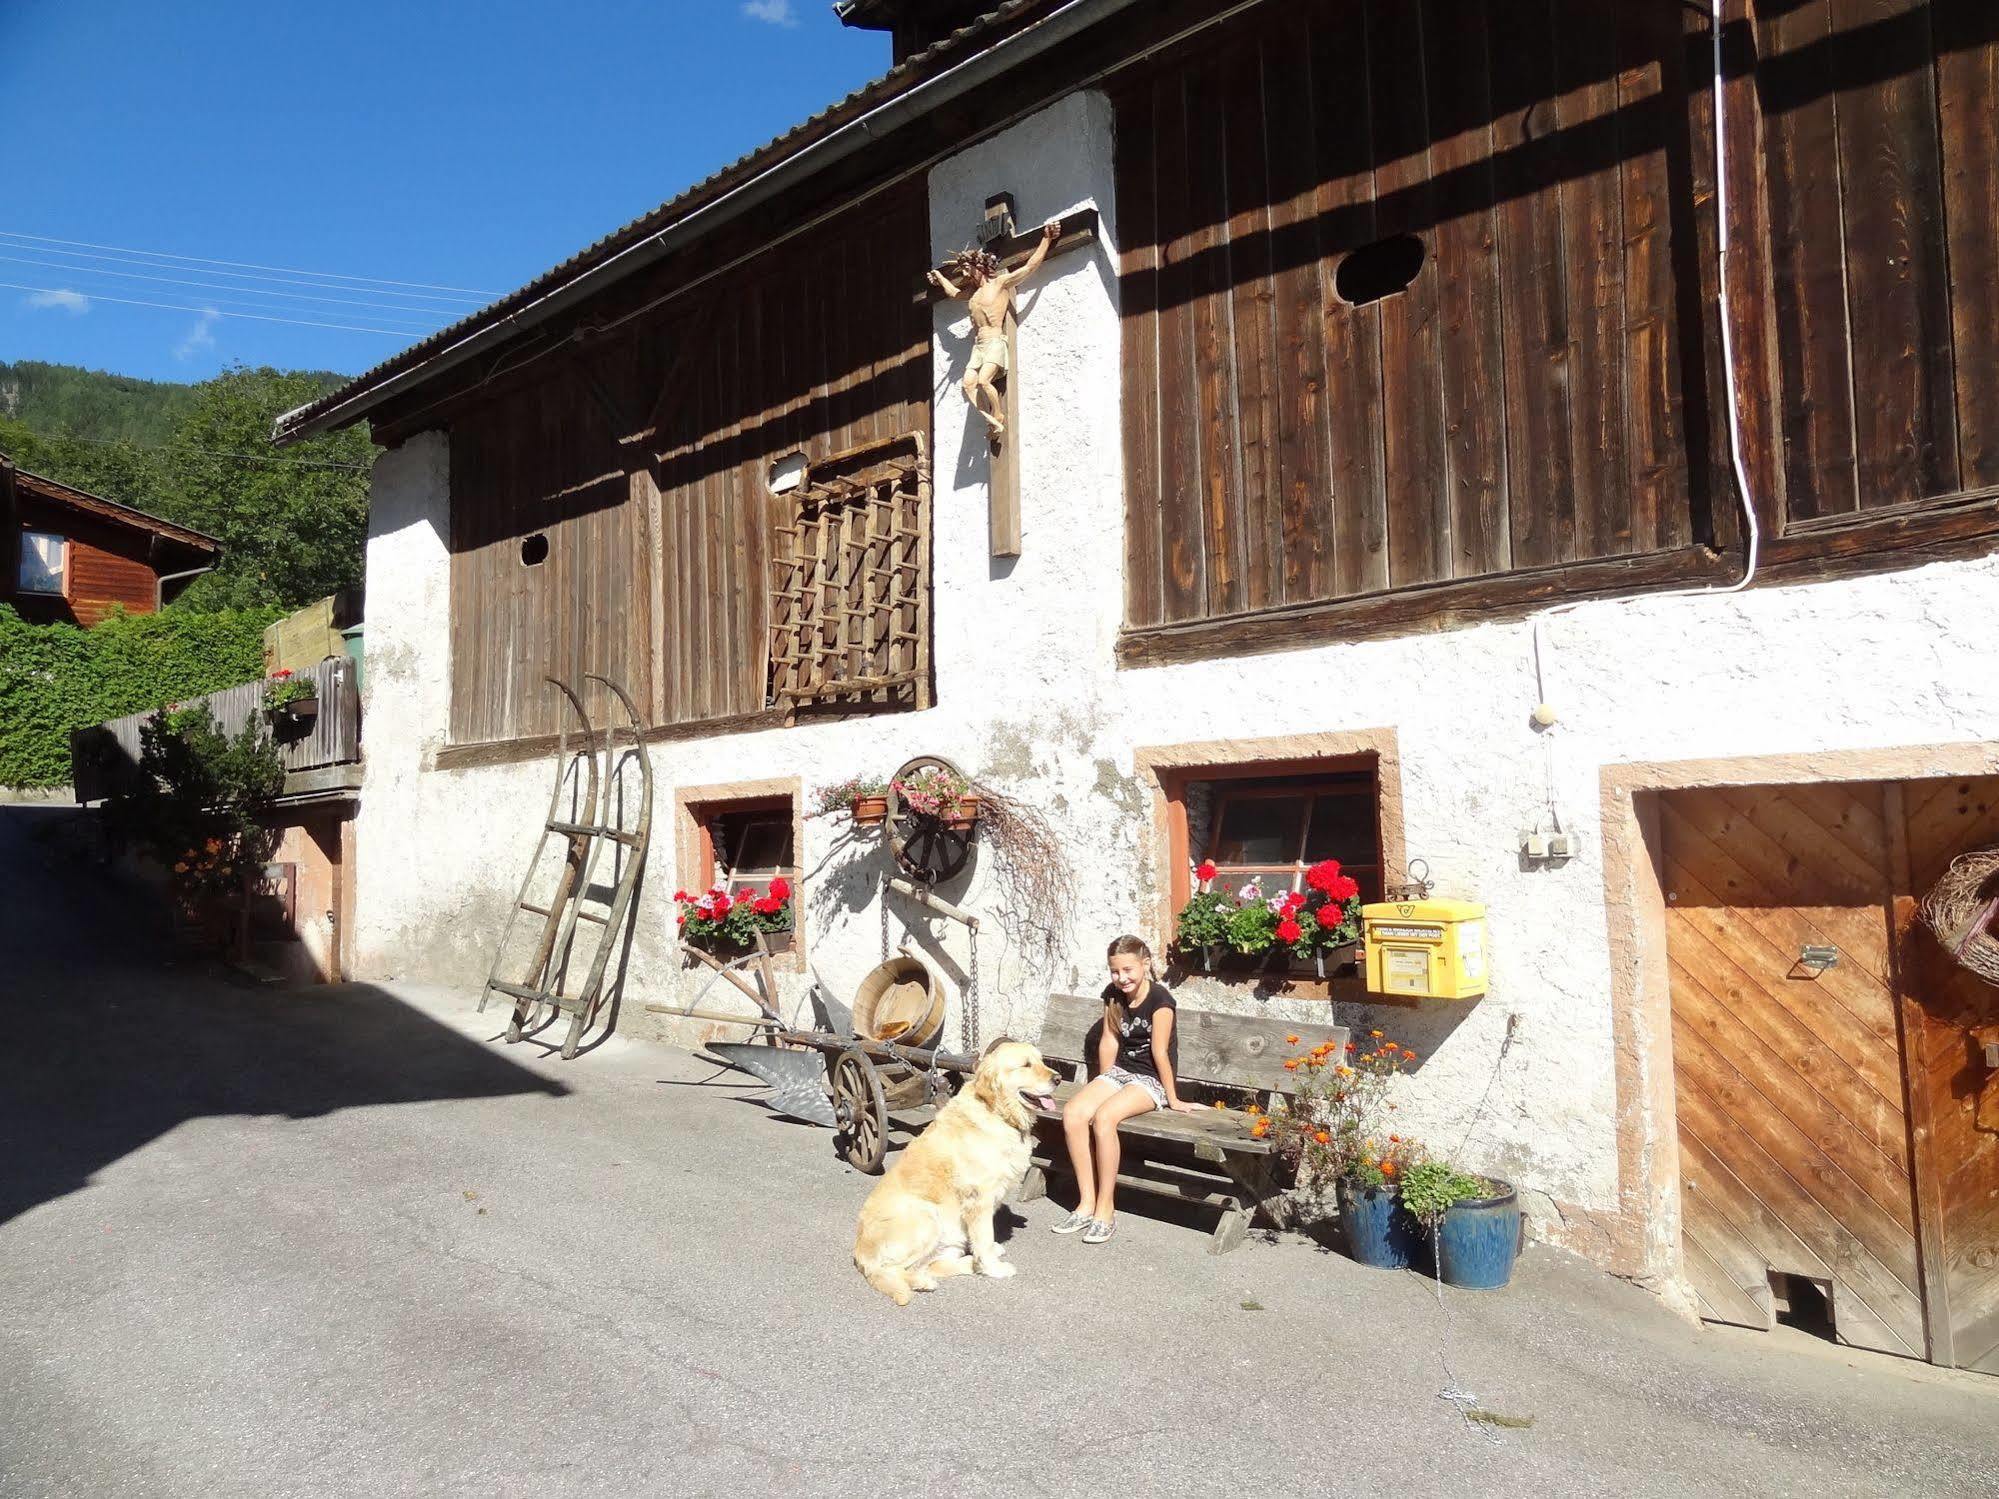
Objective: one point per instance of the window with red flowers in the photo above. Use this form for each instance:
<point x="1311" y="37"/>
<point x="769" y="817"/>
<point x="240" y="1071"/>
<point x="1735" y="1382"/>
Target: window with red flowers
<point x="1275" y="828"/>
<point x="744" y="846"/>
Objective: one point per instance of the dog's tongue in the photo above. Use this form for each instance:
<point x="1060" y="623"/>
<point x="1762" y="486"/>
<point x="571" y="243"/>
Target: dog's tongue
<point x="1042" y="1100"/>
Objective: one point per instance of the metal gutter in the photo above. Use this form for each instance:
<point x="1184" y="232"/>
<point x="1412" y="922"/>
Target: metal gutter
<point x="864" y="130"/>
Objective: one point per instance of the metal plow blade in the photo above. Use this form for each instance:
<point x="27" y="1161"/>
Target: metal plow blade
<point x="797" y="1079"/>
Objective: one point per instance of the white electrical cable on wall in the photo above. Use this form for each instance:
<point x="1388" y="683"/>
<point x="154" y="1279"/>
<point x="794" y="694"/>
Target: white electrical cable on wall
<point x="1753" y="533"/>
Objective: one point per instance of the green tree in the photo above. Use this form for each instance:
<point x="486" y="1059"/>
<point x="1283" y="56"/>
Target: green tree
<point x="292" y="523"/>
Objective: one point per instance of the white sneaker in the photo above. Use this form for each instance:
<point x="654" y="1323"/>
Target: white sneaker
<point x="1074" y="1223"/>
<point x="1098" y="1232"/>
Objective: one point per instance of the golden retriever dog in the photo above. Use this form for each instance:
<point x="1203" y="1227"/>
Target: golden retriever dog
<point x="940" y="1195"/>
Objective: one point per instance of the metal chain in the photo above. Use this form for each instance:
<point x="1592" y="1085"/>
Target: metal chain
<point x="971" y="1020"/>
<point x="884" y="906"/>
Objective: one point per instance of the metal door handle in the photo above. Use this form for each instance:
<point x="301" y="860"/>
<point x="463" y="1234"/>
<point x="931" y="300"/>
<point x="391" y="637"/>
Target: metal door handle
<point x="1818" y="959"/>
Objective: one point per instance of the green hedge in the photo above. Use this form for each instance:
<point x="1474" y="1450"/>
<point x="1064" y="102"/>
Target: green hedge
<point x="54" y="678"/>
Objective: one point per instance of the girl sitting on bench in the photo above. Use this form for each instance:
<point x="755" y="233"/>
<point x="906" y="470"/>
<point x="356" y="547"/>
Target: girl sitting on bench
<point x="1137" y="1057"/>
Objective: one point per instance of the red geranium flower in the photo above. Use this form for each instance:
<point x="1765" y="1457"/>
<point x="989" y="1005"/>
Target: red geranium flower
<point x="1294" y="902"/>
<point x="682" y="896"/>
<point x="770" y="905"/>
<point x="721" y="907"/>
<point x="1288" y="930"/>
<point x="1343" y="889"/>
<point x="1204" y="871"/>
<point x="1321" y="875"/>
<point x="780" y="888"/>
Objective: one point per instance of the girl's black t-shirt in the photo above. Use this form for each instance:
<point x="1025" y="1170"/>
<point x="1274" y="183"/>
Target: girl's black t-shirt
<point x="1134" y="1042"/>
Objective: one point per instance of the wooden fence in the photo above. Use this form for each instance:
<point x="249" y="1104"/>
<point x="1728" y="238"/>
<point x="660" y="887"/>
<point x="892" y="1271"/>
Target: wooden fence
<point x="99" y="755"/>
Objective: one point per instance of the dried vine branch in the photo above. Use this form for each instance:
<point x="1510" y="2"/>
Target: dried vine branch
<point x="1037" y="883"/>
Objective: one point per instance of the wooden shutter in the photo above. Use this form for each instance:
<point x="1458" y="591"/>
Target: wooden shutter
<point x="850" y="585"/>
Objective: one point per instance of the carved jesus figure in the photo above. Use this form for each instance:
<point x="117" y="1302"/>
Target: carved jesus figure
<point x="975" y="275"/>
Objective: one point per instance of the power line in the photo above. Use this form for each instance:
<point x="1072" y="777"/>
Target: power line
<point x="210" y="311"/>
<point x="246" y="264"/>
<point x="153" y="447"/>
<point x="434" y="314"/>
<point x="139" y="258"/>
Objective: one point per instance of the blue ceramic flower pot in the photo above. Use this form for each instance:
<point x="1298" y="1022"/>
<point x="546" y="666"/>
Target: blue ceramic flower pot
<point x="1478" y="1241"/>
<point x="1378" y="1232"/>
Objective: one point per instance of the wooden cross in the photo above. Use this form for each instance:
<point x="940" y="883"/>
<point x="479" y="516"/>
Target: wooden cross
<point x="1011" y="249"/>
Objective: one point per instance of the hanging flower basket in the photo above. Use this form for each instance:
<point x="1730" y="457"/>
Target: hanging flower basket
<point x="870" y="811"/>
<point x="290" y="700"/>
<point x="963" y="814"/>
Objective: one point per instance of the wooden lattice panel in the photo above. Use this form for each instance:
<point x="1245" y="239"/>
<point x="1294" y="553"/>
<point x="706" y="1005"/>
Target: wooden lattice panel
<point x="850" y="582"/>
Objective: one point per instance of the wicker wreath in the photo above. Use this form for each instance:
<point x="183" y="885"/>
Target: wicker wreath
<point x="1963" y="911"/>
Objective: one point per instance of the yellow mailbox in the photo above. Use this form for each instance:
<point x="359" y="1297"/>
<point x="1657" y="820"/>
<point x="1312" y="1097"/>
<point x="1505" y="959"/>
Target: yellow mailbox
<point x="1425" y="949"/>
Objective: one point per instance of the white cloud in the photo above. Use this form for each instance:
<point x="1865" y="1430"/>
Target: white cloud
<point x="777" y="12"/>
<point x="198" y="337"/>
<point x="68" y="301"/>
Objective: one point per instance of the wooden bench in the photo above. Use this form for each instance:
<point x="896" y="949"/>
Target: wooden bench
<point x="1209" y="1157"/>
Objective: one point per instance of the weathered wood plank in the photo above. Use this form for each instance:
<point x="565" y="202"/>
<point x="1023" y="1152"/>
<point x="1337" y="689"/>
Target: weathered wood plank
<point x="1220" y="471"/>
<point x="1456" y="43"/>
<point x="1301" y="398"/>
<point x="1967" y="83"/>
<point x="1342" y="89"/>
<point x="1250" y="348"/>
<point x="1897" y="279"/>
<point x="1139" y="317"/>
<point x="1412" y="397"/>
<point x="1236" y="1051"/>
<point x="1592" y="211"/>
<point x="1534" y="299"/>
<point x="1182" y="516"/>
<point x="1808" y="263"/>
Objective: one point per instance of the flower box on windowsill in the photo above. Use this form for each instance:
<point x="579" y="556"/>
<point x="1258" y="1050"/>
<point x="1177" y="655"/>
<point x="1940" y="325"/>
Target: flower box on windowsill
<point x="1223" y="962"/>
<point x="777" y="942"/>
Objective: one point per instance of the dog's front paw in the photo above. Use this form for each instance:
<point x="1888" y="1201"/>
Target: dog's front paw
<point x="997" y="1269"/>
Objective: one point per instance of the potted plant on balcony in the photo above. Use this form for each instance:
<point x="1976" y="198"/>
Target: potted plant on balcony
<point x="936" y="792"/>
<point x="1473" y="1222"/>
<point x="291" y="699"/>
<point x="863" y="798"/>
<point x="720" y="921"/>
<point x="1335" y="1131"/>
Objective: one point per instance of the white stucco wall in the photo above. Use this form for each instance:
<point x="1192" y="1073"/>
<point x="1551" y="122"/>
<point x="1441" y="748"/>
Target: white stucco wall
<point x="1030" y="699"/>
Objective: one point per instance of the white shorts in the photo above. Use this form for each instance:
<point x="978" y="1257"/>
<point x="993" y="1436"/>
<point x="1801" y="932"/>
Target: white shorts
<point x="1124" y="1077"/>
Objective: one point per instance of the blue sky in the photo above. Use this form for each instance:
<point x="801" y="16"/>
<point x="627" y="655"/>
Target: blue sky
<point x="467" y="145"/>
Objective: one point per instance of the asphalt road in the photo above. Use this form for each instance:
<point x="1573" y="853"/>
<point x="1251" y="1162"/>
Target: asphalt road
<point x="342" y="1242"/>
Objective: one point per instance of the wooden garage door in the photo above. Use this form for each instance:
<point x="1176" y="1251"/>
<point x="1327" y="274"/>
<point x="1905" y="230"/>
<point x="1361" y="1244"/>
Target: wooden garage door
<point x="1794" y="1144"/>
<point x="1954" y="1095"/>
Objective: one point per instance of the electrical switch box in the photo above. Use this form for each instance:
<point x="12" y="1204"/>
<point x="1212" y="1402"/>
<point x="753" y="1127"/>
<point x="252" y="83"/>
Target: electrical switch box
<point x="1425" y="949"/>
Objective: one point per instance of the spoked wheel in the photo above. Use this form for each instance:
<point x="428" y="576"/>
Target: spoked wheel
<point x="929" y="850"/>
<point x="862" y="1110"/>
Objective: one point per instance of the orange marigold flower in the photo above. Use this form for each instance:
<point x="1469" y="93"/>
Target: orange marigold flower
<point x="1375" y="1034"/>
<point x="1344" y="1071"/>
<point x="1251" y="1109"/>
<point x="1394" y="1139"/>
<point x="1389" y="1168"/>
<point x="1291" y="1040"/>
<point x="1292" y="1065"/>
<point x="1409" y="1055"/>
<point x="1352" y="1047"/>
<point x="1220" y="1105"/>
<point x="1323" y="1138"/>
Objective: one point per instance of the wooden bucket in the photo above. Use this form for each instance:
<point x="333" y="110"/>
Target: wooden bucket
<point x="901" y="1001"/>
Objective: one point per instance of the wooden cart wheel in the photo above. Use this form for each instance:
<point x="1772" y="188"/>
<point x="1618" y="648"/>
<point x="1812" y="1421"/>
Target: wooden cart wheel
<point x="928" y="851"/>
<point x="862" y="1110"/>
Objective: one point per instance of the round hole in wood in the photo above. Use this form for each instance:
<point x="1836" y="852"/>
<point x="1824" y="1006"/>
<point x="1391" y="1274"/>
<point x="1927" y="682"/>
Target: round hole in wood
<point x="534" y="550"/>
<point x="1379" y="270"/>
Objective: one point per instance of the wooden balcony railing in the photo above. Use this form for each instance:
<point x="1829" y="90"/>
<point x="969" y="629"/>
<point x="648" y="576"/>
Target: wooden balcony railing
<point x="99" y="755"/>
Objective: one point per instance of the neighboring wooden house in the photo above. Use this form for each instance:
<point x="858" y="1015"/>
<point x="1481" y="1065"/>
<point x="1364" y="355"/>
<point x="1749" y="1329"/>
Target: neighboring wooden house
<point x="75" y="556"/>
<point x="1401" y="322"/>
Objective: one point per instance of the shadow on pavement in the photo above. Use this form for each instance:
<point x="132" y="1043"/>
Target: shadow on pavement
<point x="110" y="1044"/>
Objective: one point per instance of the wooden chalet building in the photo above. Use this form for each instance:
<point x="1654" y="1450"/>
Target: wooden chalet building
<point x="75" y="556"/>
<point x="1405" y="366"/>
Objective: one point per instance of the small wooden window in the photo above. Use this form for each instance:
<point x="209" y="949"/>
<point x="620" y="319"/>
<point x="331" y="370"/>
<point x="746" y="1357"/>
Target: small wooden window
<point x="44" y="563"/>
<point x="745" y="845"/>
<point x="850" y="583"/>
<point x="1275" y="828"/>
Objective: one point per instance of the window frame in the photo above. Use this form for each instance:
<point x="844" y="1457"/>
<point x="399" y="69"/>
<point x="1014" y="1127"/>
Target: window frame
<point x="1171" y="769"/>
<point x="61" y="591"/>
<point x="1370" y="875"/>
<point x="699" y="809"/>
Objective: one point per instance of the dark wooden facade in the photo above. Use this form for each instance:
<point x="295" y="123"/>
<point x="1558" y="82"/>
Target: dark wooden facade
<point x="1543" y="410"/>
<point x="115" y="556"/>
<point x="645" y="462"/>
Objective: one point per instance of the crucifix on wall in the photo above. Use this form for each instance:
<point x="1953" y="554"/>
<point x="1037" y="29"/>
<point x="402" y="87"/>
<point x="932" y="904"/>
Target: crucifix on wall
<point x="985" y="279"/>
